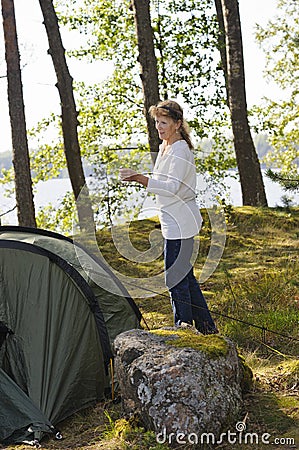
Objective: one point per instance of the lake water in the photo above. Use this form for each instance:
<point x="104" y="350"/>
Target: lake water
<point x="52" y="191"/>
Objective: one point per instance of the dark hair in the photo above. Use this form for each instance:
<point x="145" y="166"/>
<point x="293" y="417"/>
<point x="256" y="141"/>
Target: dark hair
<point x="172" y="109"/>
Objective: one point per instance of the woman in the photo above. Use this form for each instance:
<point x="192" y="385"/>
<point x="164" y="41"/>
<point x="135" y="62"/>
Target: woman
<point x="174" y="183"/>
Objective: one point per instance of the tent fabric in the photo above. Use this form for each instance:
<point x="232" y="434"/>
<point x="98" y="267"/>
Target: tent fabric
<point x="55" y="352"/>
<point x="4" y="331"/>
<point x="57" y="329"/>
<point x="117" y="309"/>
<point x="19" y="417"/>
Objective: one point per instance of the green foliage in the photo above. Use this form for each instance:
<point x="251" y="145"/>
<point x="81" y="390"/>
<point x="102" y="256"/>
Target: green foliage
<point x="47" y="158"/>
<point x="279" y="117"/>
<point x="186" y="36"/>
<point x="110" y="113"/>
<point x="289" y="183"/>
<point x="130" y="434"/>
<point x="7" y="175"/>
<point x="47" y="162"/>
<point x="59" y="218"/>
<point x="113" y="200"/>
<point x="113" y="110"/>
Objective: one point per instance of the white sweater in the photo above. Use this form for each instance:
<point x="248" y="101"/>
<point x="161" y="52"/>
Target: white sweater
<point x="174" y="183"/>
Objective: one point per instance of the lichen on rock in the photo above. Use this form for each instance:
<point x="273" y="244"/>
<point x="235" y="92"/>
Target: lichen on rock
<point x="178" y="381"/>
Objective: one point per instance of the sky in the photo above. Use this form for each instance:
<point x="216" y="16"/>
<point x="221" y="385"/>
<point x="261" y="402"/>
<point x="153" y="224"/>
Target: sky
<point x="38" y="76"/>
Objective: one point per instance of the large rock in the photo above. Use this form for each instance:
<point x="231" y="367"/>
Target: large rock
<point x="177" y="381"/>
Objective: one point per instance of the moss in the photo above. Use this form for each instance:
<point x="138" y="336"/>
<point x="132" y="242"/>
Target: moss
<point x="121" y="428"/>
<point x="214" y="345"/>
<point x="247" y="375"/>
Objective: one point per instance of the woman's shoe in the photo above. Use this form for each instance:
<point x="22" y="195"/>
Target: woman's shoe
<point x="188" y="326"/>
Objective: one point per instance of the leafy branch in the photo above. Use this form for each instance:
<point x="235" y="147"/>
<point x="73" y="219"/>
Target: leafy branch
<point x="289" y="183"/>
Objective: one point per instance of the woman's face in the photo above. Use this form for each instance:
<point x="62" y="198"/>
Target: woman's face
<point x="166" y="127"/>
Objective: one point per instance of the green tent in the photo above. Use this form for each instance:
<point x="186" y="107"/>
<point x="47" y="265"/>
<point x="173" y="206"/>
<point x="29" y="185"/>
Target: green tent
<point x="57" y="326"/>
<point x="20" y="423"/>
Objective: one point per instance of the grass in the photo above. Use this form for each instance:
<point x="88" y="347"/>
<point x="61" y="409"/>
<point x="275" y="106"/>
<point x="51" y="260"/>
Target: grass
<point x="254" y="296"/>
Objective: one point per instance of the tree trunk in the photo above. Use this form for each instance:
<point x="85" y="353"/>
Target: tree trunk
<point x="68" y="116"/>
<point x="221" y="43"/>
<point x="21" y="161"/>
<point x="149" y="71"/>
<point x="253" y="191"/>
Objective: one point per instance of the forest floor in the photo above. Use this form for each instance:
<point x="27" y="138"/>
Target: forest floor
<point x="254" y="296"/>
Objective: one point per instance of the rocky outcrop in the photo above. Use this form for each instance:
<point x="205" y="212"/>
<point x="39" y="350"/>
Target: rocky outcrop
<point x="179" y="382"/>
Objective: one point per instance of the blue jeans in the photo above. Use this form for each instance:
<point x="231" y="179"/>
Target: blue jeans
<point x="188" y="302"/>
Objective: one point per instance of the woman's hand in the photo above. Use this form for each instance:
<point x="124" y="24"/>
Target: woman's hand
<point x="127" y="174"/>
<point x="131" y="175"/>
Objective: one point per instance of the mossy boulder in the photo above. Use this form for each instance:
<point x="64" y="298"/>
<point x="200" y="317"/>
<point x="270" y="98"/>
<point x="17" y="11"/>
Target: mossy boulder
<point x="180" y="383"/>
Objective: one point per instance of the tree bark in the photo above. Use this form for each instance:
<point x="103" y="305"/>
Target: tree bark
<point x="21" y="161"/>
<point x="253" y="191"/>
<point x="68" y="116"/>
<point x="221" y="44"/>
<point x="148" y="64"/>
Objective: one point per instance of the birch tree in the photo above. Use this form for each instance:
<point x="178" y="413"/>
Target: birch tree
<point x="21" y="162"/>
